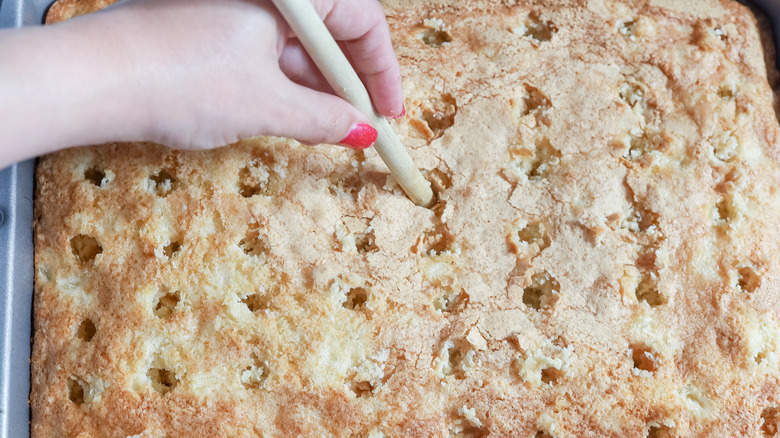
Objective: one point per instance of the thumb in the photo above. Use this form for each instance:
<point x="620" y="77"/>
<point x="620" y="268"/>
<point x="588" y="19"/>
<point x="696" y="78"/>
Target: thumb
<point x="314" y="117"/>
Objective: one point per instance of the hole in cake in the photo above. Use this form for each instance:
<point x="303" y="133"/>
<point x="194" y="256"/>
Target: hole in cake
<point x="449" y="301"/>
<point x="536" y="103"/>
<point x="253" y="244"/>
<point x="532" y="162"/>
<point x="638" y="219"/>
<point x="365" y="242"/>
<point x="726" y="210"/>
<point x="166" y="305"/>
<point x="631" y="94"/>
<point x="761" y="356"/>
<point x="725" y="147"/>
<point x="627" y="29"/>
<point x="637" y="147"/>
<point x="76" y="389"/>
<point x="436" y="241"/>
<point x="163" y="182"/>
<point x="357" y="298"/>
<point x="720" y="33"/>
<point x="85" y="248"/>
<point x="256" y="302"/>
<point x="533" y="233"/>
<point x="439" y="179"/>
<point x="245" y="187"/>
<point x="539" y="30"/>
<point x="647" y="290"/>
<point x="253" y="376"/>
<point x="435" y="34"/>
<point x="708" y="37"/>
<point x="455" y="364"/>
<point x="532" y="297"/>
<point x="542" y="434"/>
<point x="95" y="176"/>
<point x="643" y="357"/>
<point x="770" y="418"/>
<point x="259" y="177"/>
<point x="659" y="431"/>
<point x="543" y="292"/>
<point x="641" y="144"/>
<point x="439" y="115"/>
<point x="748" y="280"/>
<point x="86" y="330"/>
<point x="722" y="209"/>
<point x="361" y="388"/>
<point x="347" y="186"/>
<point x="551" y="375"/>
<point x="435" y="38"/>
<point x="163" y="381"/>
<point x="544" y="161"/>
<point x="171" y="249"/>
<point x="727" y="92"/>
<point x="438" y="210"/>
<point x="529" y="236"/>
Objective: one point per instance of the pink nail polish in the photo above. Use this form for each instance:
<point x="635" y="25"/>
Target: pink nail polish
<point x="360" y="136"/>
<point x="403" y="112"/>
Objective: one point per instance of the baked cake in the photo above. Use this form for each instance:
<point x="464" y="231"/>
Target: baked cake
<point x="601" y="262"/>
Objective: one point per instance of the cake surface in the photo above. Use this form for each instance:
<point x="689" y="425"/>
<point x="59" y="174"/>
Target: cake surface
<point x="601" y="261"/>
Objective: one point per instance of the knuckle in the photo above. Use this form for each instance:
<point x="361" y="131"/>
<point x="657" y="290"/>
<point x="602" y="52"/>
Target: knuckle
<point x="375" y="10"/>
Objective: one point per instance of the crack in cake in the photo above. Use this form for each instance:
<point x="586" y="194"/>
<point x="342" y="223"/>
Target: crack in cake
<point x="601" y="261"/>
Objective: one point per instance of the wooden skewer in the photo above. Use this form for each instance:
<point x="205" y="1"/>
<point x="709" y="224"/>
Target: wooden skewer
<point x="326" y="53"/>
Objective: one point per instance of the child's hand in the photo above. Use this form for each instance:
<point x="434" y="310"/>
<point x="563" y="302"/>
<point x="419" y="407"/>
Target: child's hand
<point x="191" y="74"/>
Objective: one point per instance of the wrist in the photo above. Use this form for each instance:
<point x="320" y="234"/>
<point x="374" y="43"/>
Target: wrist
<point x="104" y="102"/>
<point x="83" y="100"/>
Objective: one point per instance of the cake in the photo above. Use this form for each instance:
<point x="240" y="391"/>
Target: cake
<point x="601" y="261"/>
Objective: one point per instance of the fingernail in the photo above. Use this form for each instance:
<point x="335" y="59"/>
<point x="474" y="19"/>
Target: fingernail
<point x="403" y="112"/>
<point x="360" y="136"/>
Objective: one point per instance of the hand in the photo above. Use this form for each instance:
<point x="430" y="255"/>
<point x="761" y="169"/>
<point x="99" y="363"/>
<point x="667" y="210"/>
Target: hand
<point x="218" y="71"/>
<point x="191" y="74"/>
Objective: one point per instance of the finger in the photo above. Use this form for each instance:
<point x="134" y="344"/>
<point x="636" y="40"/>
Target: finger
<point x="379" y="71"/>
<point x="362" y="26"/>
<point x="315" y="117"/>
<point x="297" y="65"/>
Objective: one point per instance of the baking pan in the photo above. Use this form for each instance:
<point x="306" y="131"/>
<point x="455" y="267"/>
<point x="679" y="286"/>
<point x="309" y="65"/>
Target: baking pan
<point x="16" y="285"/>
<point x="16" y="247"/>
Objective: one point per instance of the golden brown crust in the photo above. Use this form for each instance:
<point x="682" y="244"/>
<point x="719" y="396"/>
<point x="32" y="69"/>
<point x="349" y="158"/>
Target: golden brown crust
<point x="62" y="10"/>
<point x="602" y="261"/>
